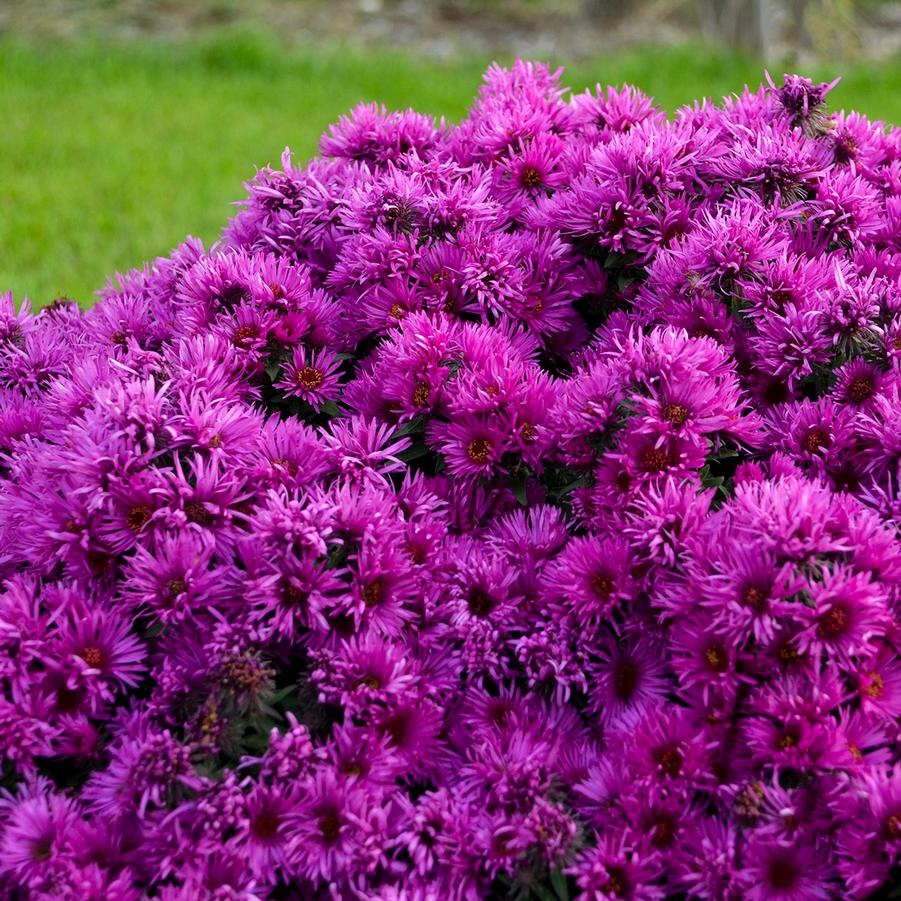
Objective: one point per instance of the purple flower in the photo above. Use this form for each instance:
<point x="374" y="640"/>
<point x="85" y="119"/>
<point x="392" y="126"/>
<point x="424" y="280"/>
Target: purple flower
<point x="148" y="766"/>
<point x="502" y="507"/>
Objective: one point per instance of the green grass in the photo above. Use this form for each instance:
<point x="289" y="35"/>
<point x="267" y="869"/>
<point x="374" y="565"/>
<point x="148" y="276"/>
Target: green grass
<point x="111" y="154"/>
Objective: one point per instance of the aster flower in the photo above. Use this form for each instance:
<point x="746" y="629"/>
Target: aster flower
<point x="704" y="659"/>
<point x="366" y="670"/>
<point x="779" y="872"/>
<point x="614" y="869"/>
<point x="25" y="733"/>
<point x="36" y="825"/>
<point x="503" y="506"/>
<point x="334" y="829"/>
<point x="879" y="684"/>
<point x="847" y="614"/>
<point x="95" y="643"/>
<point x="176" y="579"/>
<point x="667" y="750"/>
<point x="628" y="679"/>
<point x="264" y="841"/>
<point x="311" y="376"/>
<point x="708" y="867"/>
<point x="372" y="133"/>
<point x="590" y="579"/>
<point x="149" y="766"/>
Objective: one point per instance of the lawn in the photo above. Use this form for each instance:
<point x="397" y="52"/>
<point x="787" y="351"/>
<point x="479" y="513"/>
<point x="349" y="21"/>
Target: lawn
<point x="111" y="154"/>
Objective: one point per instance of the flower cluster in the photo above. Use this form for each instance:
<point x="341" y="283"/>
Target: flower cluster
<point x="502" y="509"/>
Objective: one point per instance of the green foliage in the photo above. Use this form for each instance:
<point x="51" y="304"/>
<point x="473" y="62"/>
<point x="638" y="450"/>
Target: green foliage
<point x="112" y="153"/>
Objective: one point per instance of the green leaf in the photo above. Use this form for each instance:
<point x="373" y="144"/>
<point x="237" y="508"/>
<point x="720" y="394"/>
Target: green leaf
<point x="331" y="409"/>
<point x="416" y="450"/>
<point x="560" y="885"/>
<point x="518" y="483"/>
<point x="282" y="693"/>
<point x="708" y="480"/>
<point x="412" y="426"/>
<point x="337" y="556"/>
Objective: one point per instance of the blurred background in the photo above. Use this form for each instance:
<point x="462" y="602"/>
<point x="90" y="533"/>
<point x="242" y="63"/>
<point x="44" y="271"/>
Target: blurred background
<point x="128" y="124"/>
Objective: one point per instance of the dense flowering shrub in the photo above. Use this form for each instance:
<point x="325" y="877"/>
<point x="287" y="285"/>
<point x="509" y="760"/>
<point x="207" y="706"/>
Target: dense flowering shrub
<point x="508" y="509"/>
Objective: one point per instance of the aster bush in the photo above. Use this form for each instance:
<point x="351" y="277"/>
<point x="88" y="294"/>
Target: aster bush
<point x="500" y="510"/>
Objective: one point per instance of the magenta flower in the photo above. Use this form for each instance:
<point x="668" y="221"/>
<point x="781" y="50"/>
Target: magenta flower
<point x="501" y="508"/>
<point x="311" y="376"/>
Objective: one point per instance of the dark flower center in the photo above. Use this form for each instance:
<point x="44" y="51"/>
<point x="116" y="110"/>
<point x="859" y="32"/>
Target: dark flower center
<point x="625" y="679"/>
<point x="655" y="459"/>
<point x="781" y="874"/>
<point x="814" y="439"/>
<point x="138" y="517"/>
<point x="232" y="296"/>
<point x="756" y="598"/>
<point x="198" y="514"/>
<point x="330" y="827"/>
<point x="265" y="825"/>
<point x="876" y="686"/>
<point x="603" y="585"/>
<point x="292" y="596"/>
<point x="616" y="884"/>
<point x="245" y="336"/>
<point x="781" y="296"/>
<point x="416" y="552"/>
<point x="119" y="338"/>
<point x="479" y="450"/>
<point x="421" y="394"/>
<point x="480" y="603"/>
<point x="500" y="713"/>
<point x="397" y="727"/>
<point x="664" y="829"/>
<point x="175" y="587"/>
<point x="717" y="658"/>
<point x="530" y="177"/>
<point x="861" y="389"/>
<point x="42" y="849"/>
<point x="309" y="377"/>
<point x="787" y="652"/>
<point x="669" y="759"/>
<point x="372" y="593"/>
<point x="677" y="414"/>
<point x="791" y="736"/>
<point x="92" y="656"/>
<point x="835" y="622"/>
<point x="845" y="148"/>
<point x="893" y="826"/>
